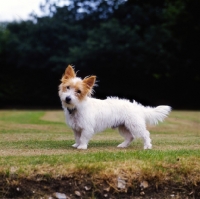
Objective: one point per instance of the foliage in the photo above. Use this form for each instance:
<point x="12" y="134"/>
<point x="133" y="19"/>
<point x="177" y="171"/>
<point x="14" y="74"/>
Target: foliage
<point x="146" y="43"/>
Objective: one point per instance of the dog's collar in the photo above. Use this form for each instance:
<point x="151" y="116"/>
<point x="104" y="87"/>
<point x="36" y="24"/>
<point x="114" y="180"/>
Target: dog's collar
<point x="71" y="110"/>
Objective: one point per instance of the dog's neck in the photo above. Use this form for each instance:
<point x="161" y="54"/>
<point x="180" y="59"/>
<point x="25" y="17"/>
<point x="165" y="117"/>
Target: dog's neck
<point x="71" y="110"/>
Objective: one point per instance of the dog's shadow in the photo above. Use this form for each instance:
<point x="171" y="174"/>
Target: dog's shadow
<point x="67" y="144"/>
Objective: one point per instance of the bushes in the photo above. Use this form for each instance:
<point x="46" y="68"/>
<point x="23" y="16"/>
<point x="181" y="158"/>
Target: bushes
<point x="140" y="46"/>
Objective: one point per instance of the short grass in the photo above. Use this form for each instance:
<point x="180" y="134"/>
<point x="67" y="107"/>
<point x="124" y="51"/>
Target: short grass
<point x="39" y="142"/>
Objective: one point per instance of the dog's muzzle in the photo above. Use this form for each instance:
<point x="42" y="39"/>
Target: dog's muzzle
<point x="67" y="100"/>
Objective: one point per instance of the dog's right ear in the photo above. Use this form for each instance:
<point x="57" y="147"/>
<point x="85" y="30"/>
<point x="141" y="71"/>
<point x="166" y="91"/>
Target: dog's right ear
<point x="69" y="73"/>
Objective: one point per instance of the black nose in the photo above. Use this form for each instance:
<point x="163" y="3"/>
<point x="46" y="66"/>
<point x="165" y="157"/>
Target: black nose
<point x="67" y="100"/>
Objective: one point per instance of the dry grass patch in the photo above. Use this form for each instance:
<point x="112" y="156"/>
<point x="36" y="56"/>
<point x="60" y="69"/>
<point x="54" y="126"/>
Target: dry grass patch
<point x="53" y="116"/>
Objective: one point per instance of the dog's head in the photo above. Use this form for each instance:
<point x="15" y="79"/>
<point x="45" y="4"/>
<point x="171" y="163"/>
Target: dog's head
<point x="73" y="90"/>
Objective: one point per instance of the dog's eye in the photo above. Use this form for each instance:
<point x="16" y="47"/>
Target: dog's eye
<point x="78" y="91"/>
<point x="68" y="87"/>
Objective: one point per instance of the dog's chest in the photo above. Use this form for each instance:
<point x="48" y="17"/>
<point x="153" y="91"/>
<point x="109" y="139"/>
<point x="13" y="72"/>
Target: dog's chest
<point x="73" y="120"/>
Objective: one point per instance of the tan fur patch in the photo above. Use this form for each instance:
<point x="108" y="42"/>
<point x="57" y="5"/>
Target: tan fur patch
<point x="89" y="81"/>
<point x="81" y="88"/>
<point x="69" y="73"/>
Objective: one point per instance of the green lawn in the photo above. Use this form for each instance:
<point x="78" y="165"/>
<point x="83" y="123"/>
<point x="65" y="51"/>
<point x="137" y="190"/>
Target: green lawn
<point x="39" y="142"/>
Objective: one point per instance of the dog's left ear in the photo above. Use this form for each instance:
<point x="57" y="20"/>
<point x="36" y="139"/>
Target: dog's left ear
<point x="69" y="73"/>
<point x="90" y="81"/>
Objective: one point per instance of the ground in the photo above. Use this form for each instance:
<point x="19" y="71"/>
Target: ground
<point x="86" y="187"/>
<point x="37" y="160"/>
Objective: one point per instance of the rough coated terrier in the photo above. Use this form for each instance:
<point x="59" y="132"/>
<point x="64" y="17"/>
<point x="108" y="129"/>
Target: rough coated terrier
<point x="87" y="115"/>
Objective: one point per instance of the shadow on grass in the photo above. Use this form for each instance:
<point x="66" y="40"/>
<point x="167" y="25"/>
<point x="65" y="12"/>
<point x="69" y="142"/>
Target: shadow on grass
<point x="52" y="144"/>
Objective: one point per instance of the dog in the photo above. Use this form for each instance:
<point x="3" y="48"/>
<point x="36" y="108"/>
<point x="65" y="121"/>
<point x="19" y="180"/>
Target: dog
<point x="87" y="116"/>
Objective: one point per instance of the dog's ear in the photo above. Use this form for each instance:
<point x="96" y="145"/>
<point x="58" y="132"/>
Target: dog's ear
<point x="90" y="81"/>
<point x="69" y="73"/>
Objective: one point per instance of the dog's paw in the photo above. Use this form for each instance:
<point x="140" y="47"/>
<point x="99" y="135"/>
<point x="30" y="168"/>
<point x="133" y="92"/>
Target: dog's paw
<point x="147" y="147"/>
<point x="122" y="145"/>
<point x="82" y="146"/>
<point x="75" y="145"/>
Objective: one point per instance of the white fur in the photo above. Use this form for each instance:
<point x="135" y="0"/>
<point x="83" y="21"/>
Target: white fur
<point x="93" y="115"/>
<point x="87" y="116"/>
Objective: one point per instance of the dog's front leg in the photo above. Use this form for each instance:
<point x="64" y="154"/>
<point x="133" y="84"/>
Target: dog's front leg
<point x="84" y="139"/>
<point x="77" y="135"/>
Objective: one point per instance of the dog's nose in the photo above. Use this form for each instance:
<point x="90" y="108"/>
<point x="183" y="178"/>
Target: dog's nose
<point x="67" y="100"/>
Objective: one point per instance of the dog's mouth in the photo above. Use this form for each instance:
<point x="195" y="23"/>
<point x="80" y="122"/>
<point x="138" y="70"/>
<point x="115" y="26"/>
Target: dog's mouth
<point x="71" y="110"/>
<point x="68" y="102"/>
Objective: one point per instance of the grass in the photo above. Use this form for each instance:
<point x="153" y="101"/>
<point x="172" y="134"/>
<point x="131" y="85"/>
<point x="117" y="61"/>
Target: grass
<point x="39" y="142"/>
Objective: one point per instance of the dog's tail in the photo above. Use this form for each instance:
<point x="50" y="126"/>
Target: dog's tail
<point x="157" y="114"/>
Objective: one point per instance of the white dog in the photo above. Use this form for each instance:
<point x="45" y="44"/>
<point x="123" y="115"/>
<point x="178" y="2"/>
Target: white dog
<point x="87" y="115"/>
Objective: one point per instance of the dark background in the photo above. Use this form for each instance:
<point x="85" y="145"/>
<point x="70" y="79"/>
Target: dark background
<point x="143" y="50"/>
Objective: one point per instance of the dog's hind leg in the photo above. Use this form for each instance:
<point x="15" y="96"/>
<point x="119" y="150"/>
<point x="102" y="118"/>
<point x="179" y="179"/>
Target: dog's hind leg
<point x="138" y="129"/>
<point x="124" y="132"/>
<point x="147" y="140"/>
